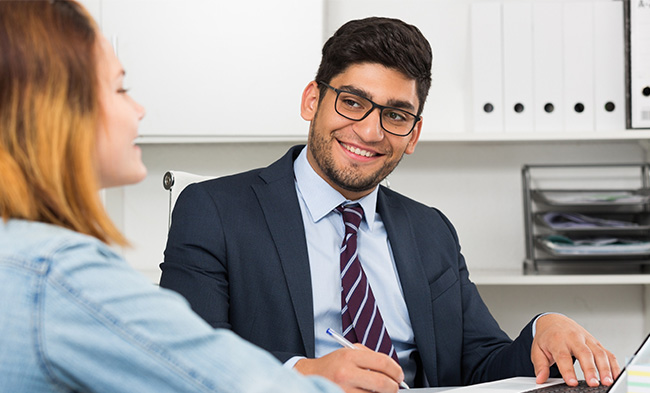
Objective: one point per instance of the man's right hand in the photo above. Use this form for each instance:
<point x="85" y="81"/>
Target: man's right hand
<point x="356" y="371"/>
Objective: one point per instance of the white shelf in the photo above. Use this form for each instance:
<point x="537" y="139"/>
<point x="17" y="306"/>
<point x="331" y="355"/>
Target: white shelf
<point x="462" y="137"/>
<point x="537" y="136"/>
<point x="516" y="277"/>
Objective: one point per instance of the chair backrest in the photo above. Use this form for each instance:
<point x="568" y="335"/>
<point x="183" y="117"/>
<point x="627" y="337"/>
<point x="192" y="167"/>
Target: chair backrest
<point x="175" y="182"/>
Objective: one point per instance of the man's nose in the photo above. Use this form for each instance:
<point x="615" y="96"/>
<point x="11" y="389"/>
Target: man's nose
<point x="369" y="129"/>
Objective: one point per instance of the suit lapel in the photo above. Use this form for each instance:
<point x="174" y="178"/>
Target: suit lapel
<point x="279" y="202"/>
<point x="412" y="277"/>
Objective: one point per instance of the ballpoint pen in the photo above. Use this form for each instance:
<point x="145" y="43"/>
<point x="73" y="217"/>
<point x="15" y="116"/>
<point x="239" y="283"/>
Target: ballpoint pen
<point x="344" y="342"/>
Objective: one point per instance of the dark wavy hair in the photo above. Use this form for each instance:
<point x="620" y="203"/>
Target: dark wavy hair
<point x="386" y="41"/>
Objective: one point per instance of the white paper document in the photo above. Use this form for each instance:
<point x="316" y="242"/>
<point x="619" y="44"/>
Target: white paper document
<point x="516" y="384"/>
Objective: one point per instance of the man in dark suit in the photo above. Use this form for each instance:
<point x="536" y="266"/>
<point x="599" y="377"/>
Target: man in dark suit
<point x="268" y="253"/>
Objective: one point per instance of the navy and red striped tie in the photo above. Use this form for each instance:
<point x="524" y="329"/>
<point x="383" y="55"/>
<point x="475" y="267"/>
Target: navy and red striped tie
<point x="362" y="321"/>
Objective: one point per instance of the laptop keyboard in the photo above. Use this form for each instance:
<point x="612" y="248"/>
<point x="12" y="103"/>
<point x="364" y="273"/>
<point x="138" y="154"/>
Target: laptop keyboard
<point x="561" y="388"/>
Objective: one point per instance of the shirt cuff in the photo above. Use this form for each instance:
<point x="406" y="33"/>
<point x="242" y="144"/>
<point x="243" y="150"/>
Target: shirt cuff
<point x="292" y="362"/>
<point x="539" y="316"/>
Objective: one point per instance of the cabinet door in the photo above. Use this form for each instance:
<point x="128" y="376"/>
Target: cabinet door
<point x="217" y="68"/>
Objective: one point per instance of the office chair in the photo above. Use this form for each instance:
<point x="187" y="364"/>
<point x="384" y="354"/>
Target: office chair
<point x="175" y="182"/>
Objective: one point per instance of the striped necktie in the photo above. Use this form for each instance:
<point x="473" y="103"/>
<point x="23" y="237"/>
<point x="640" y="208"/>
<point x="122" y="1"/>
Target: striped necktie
<point x="361" y="319"/>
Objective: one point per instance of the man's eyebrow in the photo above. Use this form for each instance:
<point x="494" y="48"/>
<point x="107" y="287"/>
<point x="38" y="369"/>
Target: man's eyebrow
<point x="401" y="104"/>
<point x="357" y="91"/>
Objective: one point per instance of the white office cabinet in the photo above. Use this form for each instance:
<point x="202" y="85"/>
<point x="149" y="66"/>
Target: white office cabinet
<point x="217" y="68"/>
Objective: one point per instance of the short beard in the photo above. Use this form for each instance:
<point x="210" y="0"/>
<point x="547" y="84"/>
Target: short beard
<point x="345" y="178"/>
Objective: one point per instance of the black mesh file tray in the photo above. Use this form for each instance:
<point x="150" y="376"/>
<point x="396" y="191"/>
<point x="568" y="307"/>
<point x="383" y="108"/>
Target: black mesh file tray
<point x="590" y="218"/>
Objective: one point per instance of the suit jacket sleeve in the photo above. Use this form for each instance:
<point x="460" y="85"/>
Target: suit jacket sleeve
<point x="195" y="265"/>
<point x="209" y="242"/>
<point x="488" y="353"/>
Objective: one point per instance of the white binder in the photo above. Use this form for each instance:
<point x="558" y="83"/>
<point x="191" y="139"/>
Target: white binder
<point x="487" y="99"/>
<point x="639" y="19"/>
<point x="548" y="80"/>
<point x="578" y="66"/>
<point x="609" y="66"/>
<point x="517" y="36"/>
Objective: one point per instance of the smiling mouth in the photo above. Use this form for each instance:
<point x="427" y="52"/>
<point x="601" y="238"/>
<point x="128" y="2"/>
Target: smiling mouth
<point x="357" y="151"/>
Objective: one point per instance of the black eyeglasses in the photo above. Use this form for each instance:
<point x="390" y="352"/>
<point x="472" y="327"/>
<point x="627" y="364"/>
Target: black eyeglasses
<point x="355" y="107"/>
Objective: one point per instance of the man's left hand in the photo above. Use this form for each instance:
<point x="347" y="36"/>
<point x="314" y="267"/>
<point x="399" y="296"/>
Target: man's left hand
<point x="558" y="339"/>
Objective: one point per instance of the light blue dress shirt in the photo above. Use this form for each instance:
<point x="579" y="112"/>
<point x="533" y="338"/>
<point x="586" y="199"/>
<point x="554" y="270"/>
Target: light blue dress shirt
<point x="324" y="232"/>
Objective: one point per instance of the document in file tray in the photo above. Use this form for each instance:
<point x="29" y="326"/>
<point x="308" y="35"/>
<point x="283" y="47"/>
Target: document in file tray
<point x="614" y="197"/>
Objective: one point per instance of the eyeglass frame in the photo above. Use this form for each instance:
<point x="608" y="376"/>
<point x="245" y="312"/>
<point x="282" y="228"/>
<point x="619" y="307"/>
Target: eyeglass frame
<point x="416" y="118"/>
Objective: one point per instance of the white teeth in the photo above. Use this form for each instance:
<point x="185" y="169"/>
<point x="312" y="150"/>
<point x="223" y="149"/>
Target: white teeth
<point x="358" y="151"/>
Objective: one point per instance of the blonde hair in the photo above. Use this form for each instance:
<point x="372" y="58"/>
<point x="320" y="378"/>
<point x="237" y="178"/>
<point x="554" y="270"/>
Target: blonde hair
<point x="49" y="115"/>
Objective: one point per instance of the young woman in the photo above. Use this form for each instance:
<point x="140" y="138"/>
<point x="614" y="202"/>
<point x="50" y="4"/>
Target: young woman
<point x="73" y="315"/>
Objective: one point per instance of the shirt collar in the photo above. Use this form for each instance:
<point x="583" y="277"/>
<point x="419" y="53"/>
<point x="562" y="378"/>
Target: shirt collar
<point x="320" y="198"/>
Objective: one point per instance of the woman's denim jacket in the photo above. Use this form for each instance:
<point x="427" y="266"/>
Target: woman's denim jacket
<point x="74" y="316"/>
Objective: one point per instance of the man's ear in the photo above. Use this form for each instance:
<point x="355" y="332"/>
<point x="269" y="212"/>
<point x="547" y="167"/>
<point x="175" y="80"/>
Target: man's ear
<point x="309" y="102"/>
